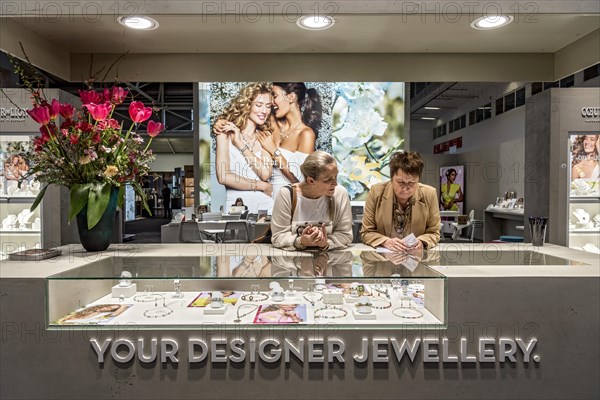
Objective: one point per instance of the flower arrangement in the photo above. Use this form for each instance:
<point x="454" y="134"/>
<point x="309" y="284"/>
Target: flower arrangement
<point x="88" y="151"/>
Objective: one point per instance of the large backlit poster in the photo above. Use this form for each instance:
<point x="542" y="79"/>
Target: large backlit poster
<point x="244" y="123"/>
<point x="452" y="183"/>
<point x="584" y="165"/>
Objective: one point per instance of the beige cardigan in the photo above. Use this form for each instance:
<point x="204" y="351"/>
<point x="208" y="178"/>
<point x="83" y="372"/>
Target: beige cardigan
<point x="281" y="221"/>
<point x="377" y="223"/>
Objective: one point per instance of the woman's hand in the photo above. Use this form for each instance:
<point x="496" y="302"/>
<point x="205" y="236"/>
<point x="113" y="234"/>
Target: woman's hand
<point x="314" y="236"/>
<point x="395" y="244"/>
<point x="267" y="142"/>
<point x="265" y="187"/>
<point x="235" y="134"/>
<point x="219" y="127"/>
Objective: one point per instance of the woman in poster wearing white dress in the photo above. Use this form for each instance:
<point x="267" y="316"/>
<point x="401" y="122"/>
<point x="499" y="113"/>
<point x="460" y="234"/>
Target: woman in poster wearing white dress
<point x="243" y="166"/>
<point x="585" y="162"/>
<point x="296" y="121"/>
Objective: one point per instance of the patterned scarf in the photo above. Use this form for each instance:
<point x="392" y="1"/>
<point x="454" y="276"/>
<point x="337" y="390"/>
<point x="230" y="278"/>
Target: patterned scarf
<point x="401" y="217"/>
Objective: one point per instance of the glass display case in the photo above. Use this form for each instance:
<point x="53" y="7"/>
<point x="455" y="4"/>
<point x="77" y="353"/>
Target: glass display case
<point x="20" y="228"/>
<point x="348" y="289"/>
<point x="584" y="193"/>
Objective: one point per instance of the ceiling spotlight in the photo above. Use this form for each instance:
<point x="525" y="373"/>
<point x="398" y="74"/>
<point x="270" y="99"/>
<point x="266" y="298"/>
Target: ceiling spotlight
<point x="315" y="22"/>
<point x="431" y="108"/>
<point x="428" y="118"/>
<point x="138" y="22"/>
<point x="491" y="21"/>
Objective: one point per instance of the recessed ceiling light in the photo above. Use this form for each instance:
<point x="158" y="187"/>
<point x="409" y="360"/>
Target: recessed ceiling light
<point x="138" y="22"/>
<point x="431" y="108"/>
<point x="315" y="22"/>
<point x="428" y="118"/>
<point x="491" y="21"/>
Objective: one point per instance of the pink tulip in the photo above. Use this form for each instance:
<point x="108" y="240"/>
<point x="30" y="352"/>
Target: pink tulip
<point x="90" y="96"/>
<point x="66" y="111"/>
<point x="138" y="112"/>
<point x="53" y="108"/>
<point x="154" y="128"/>
<point x="99" y="111"/>
<point x="116" y="95"/>
<point x="41" y="115"/>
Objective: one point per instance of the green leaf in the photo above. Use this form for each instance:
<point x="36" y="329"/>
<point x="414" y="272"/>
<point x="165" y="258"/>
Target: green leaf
<point x="79" y="198"/>
<point x="38" y="198"/>
<point x="98" y="199"/>
<point x="121" y="197"/>
<point x="138" y="189"/>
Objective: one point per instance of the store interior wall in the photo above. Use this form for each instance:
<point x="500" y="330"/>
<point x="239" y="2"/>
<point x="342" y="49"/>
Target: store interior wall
<point x="168" y="162"/>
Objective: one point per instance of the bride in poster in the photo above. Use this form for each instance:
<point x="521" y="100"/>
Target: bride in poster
<point x="242" y="165"/>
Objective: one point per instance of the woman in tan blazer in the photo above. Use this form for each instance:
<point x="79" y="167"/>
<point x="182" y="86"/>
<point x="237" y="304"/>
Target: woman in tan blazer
<point x="402" y="206"/>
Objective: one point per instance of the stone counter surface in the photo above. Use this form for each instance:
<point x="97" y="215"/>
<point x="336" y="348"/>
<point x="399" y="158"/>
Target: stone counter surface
<point x="75" y="256"/>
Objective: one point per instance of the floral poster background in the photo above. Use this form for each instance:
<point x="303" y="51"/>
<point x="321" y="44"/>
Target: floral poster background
<point x="362" y="125"/>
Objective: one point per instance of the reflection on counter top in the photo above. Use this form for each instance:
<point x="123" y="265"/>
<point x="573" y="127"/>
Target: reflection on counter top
<point x="264" y="261"/>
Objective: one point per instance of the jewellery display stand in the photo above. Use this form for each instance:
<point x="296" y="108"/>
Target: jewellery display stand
<point x="173" y="296"/>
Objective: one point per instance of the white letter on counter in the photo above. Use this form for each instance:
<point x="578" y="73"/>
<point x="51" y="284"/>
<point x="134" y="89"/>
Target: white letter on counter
<point x="237" y="349"/>
<point x="429" y="354"/>
<point x="130" y="350"/>
<point x="315" y="354"/>
<point x="486" y="355"/>
<point x="192" y="343"/>
<point x="217" y="355"/>
<point x="275" y="352"/>
<point x="140" y="350"/>
<point x="168" y="349"/>
<point x="380" y="355"/>
<point x="335" y="350"/>
<point x="288" y="348"/>
<point x="405" y="348"/>
<point x="504" y="352"/>
<point x="445" y="356"/>
<point x="365" y="352"/>
<point x="463" y="352"/>
<point x="100" y="349"/>
<point x="526" y="348"/>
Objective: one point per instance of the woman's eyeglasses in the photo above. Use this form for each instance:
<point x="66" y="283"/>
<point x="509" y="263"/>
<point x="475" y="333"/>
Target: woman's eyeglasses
<point x="407" y="185"/>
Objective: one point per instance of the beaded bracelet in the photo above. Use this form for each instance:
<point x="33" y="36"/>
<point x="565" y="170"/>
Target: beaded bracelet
<point x="386" y="304"/>
<point x="312" y="302"/>
<point x="251" y="297"/>
<point x="148" y="297"/>
<point x="158" y="312"/>
<point x="409" y="313"/>
<point x="325" y="309"/>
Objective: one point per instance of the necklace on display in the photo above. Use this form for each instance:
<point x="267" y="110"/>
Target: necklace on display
<point x="286" y="133"/>
<point x="253" y="308"/>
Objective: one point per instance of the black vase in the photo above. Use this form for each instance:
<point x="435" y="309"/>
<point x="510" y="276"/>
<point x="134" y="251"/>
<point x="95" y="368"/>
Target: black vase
<point x="99" y="237"/>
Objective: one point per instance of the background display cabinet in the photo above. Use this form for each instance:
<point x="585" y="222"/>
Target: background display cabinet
<point x="584" y="193"/>
<point x="352" y="290"/>
<point x="20" y="228"/>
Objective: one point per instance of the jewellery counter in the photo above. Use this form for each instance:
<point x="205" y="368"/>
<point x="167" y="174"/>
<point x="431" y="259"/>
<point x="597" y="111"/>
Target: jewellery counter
<point x="227" y="321"/>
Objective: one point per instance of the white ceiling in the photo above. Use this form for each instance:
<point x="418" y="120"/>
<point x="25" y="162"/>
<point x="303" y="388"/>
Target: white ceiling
<point x="382" y="33"/>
